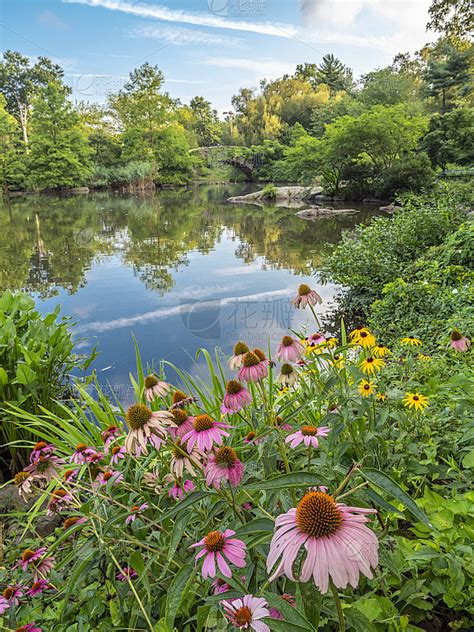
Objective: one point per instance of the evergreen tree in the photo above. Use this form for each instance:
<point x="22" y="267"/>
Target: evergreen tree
<point x="60" y="155"/>
<point x="448" y="74"/>
<point x="334" y="74"/>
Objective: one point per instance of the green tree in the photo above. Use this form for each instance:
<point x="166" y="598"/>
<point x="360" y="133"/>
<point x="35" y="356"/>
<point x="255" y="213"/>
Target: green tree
<point x="385" y="86"/>
<point x="12" y="159"/>
<point x="20" y="82"/>
<point x="334" y="74"/>
<point x="448" y="74"/>
<point x="451" y="17"/>
<point x="60" y="155"/>
<point x="206" y="122"/>
<point x="449" y="138"/>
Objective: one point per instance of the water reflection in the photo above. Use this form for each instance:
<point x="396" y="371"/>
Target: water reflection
<point x="174" y="268"/>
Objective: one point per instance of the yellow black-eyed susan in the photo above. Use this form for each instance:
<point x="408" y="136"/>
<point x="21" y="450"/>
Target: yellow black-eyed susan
<point x="415" y="400"/>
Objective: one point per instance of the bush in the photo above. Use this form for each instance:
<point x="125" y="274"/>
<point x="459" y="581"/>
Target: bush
<point x="410" y="173"/>
<point x="36" y="362"/>
<point x="269" y="192"/>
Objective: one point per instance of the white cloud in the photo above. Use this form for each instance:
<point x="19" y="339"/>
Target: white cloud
<point x="182" y="36"/>
<point x="159" y="12"/>
<point x="52" y="21"/>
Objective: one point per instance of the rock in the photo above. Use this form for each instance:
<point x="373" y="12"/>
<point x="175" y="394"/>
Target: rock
<point x="290" y="196"/>
<point x="45" y="525"/>
<point x="372" y="201"/>
<point x="317" y="212"/>
<point x="78" y="190"/>
<point x="390" y="208"/>
<point x="10" y="500"/>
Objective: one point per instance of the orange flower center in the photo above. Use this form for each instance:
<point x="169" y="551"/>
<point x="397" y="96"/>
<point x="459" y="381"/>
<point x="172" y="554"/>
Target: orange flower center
<point x="304" y="289"/>
<point x="243" y="616"/>
<point x="59" y="493"/>
<point x="134" y="508"/>
<point x="27" y="555"/>
<point x="318" y="515"/>
<point x="21" y="477"/>
<point x="226" y="456"/>
<point x="138" y="415"/>
<point x="80" y="447"/>
<point x="251" y="359"/>
<point x="203" y="422"/>
<point x="309" y="431"/>
<point x="179" y="396"/>
<point x="40" y="445"/>
<point x="107" y="476"/>
<point x="36" y="585"/>
<point x="116" y="449"/>
<point x="70" y="522"/>
<point x="179" y="416"/>
<point x="233" y="387"/>
<point x="240" y="348"/>
<point x="150" y="381"/>
<point x="456" y="335"/>
<point x="286" y="369"/>
<point x="214" y="541"/>
<point x="8" y="592"/>
<point x="287" y="341"/>
<point x="260" y="354"/>
<point x="251" y="436"/>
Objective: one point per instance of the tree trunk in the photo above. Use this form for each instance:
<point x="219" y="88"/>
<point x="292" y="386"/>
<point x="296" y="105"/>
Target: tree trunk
<point x="24" y="123"/>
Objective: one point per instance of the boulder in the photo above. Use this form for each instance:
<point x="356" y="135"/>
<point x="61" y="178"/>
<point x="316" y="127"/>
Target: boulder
<point x="317" y="212"/>
<point x="390" y="208"/>
<point x="291" y="196"/>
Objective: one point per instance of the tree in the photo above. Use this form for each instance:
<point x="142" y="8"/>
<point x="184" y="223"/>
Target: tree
<point x="12" y="163"/>
<point x="60" y="155"/>
<point x="334" y="74"/>
<point x="453" y="18"/>
<point x="449" y="138"/>
<point x="448" y="74"/>
<point x="20" y="83"/>
<point x="206" y="122"/>
<point x="386" y="86"/>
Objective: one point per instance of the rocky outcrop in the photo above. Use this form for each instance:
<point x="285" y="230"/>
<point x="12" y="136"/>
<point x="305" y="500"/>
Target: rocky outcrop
<point x="317" y="212"/>
<point x="390" y="208"/>
<point x="292" y="197"/>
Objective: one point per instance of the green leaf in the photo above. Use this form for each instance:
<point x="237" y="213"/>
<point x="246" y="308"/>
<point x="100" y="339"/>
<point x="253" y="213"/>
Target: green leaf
<point x="296" y="479"/>
<point x="468" y="460"/>
<point x="255" y="526"/>
<point x="391" y="487"/>
<point x="190" y="499"/>
<point x="280" y="625"/>
<point x="174" y="594"/>
<point x="136" y="562"/>
<point x="3" y="377"/>
<point x="25" y="375"/>
<point x="290" y="614"/>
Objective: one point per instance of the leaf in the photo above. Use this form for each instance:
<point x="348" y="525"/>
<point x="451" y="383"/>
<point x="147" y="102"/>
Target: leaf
<point x="290" y="614"/>
<point x="280" y="625"/>
<point x="391" y="487"/>
<point x="136" y="562"/>
<point x="25" y="375"/>
<point x="3" y="377"/>
<point x="190" y="499"/>
<point x="468" y="460"/>
<point x="295" y="479"/>
<point x="174" y="594"/>
<point x="254" y="526"/>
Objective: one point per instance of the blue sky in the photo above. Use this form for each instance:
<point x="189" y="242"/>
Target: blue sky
<point x="208" y="47"/>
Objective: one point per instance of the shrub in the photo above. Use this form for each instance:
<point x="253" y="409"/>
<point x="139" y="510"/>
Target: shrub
<point x="269" y="192"/>
<point x="410" y="173"/>
<point x="36" y="362"/>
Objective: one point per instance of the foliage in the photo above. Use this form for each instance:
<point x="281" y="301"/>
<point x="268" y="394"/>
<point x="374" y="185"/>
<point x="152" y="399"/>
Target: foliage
<point x="12" y="167"/>
<point x="60" y="154"/>
<point x="452" y="17"/>
<point x="36" y="361"/>
<point x="448" y="139"/>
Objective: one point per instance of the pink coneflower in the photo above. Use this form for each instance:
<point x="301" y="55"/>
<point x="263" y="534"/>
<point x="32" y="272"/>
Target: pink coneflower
<point x="275" y="613"/>
<point x="154" y="388"/>
<point x="281" y="424"/>
<point x="70" y="475"/>
<point x="116" y="453"/>
<point x="109" y="435"/>
<point x="60" y="498"/>
<point x="185" y="460"/>
<point x="153" y="480"/>
<point x="206" y="431"/>
<point x="315" y="340"/>
<point x="29" y="627"/>
<point x="95" y="457"/>
<point x="178" y="490"/>
<point x="224" y="465"/>
<point x="459" y="342"/>
<point x="109" y="476"/>
<point x="235" y="398"/>
<point x="184" y="423"/>
<point x="306" y="296"/>
<point x="251" y="437"/>
<point x="288" y="375"/>
<point x="126" y="573"/>
<point x="46" y="467"/>
<point x="81" y="453"/>
<point x="72" y="521"/>
<point x="11" y="597"/>
<point x="38" y="587"/>
<point x="135" y="511"/>
<point x="307" y="435"/>
<point x="180" y="400"/>
<point x="36" y="561"/>
<point x="240" y="349"/>
<point x="247" y="612"/>
<point x="214" y="546"/>
<point x="41" y="449"/>
<point x="146" y="427"/>
<point x="337" y="542"/>
<point x="219" y="586"/>
<point x="253" y="368"/>
<point x="290" y="349"/>
<point x="24" y="482"/>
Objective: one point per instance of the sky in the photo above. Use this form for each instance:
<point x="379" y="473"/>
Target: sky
<point x="208" y="47"/>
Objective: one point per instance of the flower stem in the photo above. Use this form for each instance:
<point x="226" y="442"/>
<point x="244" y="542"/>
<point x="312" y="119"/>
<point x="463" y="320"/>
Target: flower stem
<point x="337" y="601"/>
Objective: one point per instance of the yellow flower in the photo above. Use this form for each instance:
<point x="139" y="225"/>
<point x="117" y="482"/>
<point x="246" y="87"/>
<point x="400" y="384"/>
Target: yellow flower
<point x="371" y="365"/>
<point x="363" y="337"/>
<point x="412" y="341"/>
<point x="380" y="351"/>
<point x="366" y="388"/>
<point x="416" y="401"/>
<point x="330" y="343"/>
<point x="339" y="361"/>
<point x="424" y="358"/>
<point x="380" y="397"/>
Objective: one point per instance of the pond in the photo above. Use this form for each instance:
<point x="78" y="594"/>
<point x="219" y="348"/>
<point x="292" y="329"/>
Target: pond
<point x="179" y="270"/>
